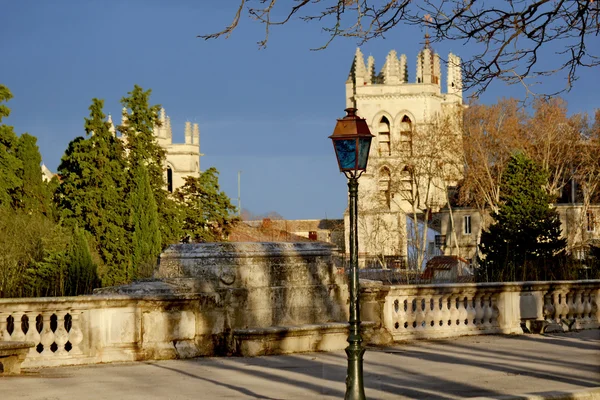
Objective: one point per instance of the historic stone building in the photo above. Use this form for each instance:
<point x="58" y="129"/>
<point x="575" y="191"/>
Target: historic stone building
<point x="400" y="111"/>
<point x="182" y="159"/>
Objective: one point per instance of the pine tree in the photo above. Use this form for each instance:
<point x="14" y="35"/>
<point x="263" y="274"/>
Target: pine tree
<point x="146" y="243"/>
<point x="525" y="239"/>
<point x="208" y="212"/>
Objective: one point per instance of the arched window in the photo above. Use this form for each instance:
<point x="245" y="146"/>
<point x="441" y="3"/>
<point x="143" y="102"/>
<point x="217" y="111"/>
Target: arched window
<point x="406" y="133"/>
<point x="406" y="183"/>
<point x="384" y="137"/>
<point x="385" y="180"/>
<point x="169" y="179"/>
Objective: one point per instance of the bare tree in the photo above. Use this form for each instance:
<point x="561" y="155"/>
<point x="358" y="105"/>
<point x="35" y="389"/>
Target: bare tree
<point x="424" y="166"/>
<point x="511" y="35"/>
<point x="491" y="134"/>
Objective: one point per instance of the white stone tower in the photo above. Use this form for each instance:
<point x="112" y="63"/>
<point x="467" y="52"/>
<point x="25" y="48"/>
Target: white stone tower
<point x="394" y="108"/>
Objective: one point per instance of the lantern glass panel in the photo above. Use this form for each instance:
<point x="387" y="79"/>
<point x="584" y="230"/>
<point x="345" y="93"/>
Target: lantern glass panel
<point x="364" y="144"/>
<point x="346" y="153"/>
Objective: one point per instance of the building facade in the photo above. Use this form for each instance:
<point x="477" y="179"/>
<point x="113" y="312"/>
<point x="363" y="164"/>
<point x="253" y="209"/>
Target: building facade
<point x="405" y="114"/>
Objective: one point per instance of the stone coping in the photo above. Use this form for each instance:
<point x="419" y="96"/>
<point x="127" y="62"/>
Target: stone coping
<point x="246" y="250"/>
<point x="505" y="286"/>
<point x="10" y="346"/>
<point x="299" y="329"/>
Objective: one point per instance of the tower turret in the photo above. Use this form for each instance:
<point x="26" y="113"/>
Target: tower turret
<point x="454" y="78"/>
<point x="188" y="132"/>
<point x="196" y="134"/>
<point x="111" y="126"/>
<point x="428" y="65"/>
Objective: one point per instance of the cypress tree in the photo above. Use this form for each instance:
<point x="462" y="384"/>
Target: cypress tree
<point x="81" y="269"/>
<point x="92" y="193"/>
<point x="143" y="149"/>
<point x="146" y="241"/>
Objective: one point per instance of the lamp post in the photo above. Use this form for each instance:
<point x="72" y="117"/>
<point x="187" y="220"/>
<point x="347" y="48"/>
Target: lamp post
<point x="351" y="141"/>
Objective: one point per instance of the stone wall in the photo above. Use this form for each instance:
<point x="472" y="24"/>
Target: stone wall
<point x="253" y="299"/>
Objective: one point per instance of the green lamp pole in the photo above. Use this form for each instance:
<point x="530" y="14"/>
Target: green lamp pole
<point x="351" y="141"/>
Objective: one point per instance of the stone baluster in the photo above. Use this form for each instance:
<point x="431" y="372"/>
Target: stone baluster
<point x="420" y="316"/>
<point x="76" y="334"/>
<point x="587" y="306"/>
<point x="478" y="301"/>
<point x="437" y="312"/>
<point x="46" y="336"/>
<point x="453" y="317"/>
<point x="462" y="312"/>
<point x="488" y="311"/>
<point x="18" y="334"/>
<point x="549" y="309"/>
<point x="471" y="312"/>
<point x="61" y="336"/>
<point x="32" y="334"/>
<point x="3" y="327"/>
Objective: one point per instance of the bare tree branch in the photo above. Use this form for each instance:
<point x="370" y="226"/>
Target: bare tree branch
<point x="511" y="35"/>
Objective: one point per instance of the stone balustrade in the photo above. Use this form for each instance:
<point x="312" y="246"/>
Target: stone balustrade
<point x="251" y="299"/>
<point x="445" y="310"/>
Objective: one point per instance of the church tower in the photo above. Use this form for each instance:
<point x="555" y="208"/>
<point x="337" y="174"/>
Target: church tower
<point x="182" y="159"/>
<point x="396" y="107"/>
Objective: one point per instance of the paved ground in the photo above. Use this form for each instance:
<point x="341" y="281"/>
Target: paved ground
<point x="480" y="366"/>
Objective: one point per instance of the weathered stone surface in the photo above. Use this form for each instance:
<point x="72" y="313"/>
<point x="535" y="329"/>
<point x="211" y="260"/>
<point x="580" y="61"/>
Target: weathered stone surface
<point x="12" y="355"/>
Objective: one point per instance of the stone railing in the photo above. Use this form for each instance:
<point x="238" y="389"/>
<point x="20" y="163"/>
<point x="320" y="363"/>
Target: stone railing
<point x="445" y="310"/>
<point x="97" y="329"/>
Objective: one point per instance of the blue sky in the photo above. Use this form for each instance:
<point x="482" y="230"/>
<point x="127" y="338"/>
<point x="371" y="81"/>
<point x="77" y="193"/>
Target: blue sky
<point x="267" y="113"/>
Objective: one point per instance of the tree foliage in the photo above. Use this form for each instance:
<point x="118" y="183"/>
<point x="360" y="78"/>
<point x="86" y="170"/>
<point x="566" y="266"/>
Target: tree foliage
<point x="208" y="212"/>
<point x="9" y="162"/>
<point x="511" y="37"/>
<point x="525" y="238"/>
<point x="146" y="241"/>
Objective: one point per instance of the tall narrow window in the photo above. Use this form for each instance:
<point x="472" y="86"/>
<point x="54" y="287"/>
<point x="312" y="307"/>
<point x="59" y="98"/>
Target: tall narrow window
<point x="384" y="137"/>
<point x="406" y="184"/>
<point x="169" y="179"/>
<point x="591" y="221"/>
<point x="385" y="179"/>
<point x="406" y="129"/>
<point x="467" y="225"/>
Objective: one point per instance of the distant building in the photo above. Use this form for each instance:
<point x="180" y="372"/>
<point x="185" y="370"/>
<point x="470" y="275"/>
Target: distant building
<point x="394" y="106"/>
<point x="461" y="231"/>
<point x="182" y="159"/>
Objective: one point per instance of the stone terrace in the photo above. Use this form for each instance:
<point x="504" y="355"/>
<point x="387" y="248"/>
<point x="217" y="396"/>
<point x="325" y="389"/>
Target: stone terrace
<point x="565" y="365"/>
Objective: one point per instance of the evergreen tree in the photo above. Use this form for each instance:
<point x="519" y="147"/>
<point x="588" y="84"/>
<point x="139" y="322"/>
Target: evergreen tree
<point x="208" y="212"/>
<point x="33" y="194"/>
<point x="92" y="193"/>
<point x="9" y="163"/>
<point x="82" y="274"/>
<point x="146" y="243"/>
<point x="524" y="241"/>
<point x="143" y="149"/>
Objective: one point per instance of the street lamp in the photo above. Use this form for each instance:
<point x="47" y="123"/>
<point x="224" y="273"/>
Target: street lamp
<point x="352" y="140"/>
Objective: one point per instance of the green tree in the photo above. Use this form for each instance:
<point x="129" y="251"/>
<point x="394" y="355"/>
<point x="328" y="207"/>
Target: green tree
<point x="9" y="162"/>
<point x="143" y="149"/>
<point x="208" y="212"/>
<point x="92" y="192"/>
<point x="33" y="193"/>
<point x="146" y="243"/>
<point x="81" y="269"/>
<point x="524" y="241"/>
